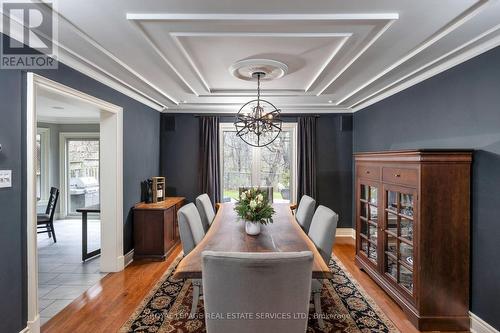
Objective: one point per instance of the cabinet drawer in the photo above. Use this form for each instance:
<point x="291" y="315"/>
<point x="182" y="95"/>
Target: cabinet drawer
<point x="400" y="176"/>
<point x="368" y="171"/>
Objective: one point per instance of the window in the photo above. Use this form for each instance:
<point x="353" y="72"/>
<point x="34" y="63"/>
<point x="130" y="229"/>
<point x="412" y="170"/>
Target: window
<point x="80" y="177"/>
<point x="273" y="165"/>
<point x="42" y="164"/>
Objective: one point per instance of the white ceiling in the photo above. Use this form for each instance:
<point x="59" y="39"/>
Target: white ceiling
<point x="342" y="55"/>
<point x="56" y="108"/>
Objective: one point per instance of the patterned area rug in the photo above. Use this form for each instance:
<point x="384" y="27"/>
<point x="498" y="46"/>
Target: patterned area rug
<point x="346" y="307"/>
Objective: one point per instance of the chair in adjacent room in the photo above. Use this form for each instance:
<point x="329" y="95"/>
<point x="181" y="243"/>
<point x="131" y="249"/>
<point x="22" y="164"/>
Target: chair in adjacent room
<point x="45" y="222"/>
<point x="256" y="284"/>
<point x="322" y="233"/>
<point x="206" y="210"/>
<point x="191" y="232"/>
<point x="305" y="212"/>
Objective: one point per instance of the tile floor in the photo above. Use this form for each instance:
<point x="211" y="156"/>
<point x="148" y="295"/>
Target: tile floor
<point x="62" y="276"/>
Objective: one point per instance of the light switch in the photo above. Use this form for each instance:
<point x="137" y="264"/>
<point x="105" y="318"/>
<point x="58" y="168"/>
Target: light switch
<point x="5" y="178"/>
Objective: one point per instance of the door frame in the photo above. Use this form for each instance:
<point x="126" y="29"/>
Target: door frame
<point x="111" y="173"/>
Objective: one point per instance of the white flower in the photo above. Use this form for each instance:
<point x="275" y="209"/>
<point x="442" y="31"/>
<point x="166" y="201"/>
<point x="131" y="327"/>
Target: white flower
<point x="243" y="196"/>
<point x="260" y="197"/>
<point x="253" y="204"/>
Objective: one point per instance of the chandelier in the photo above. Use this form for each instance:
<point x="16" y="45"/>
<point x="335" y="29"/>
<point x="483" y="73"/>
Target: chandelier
<point x="258" y="121"/>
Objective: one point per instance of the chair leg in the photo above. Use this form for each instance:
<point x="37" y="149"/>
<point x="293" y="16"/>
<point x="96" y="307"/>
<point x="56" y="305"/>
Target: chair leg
<point x="53" y="231"/>
<point x="47" y="227"/>
<point x="196" y="298"/>
<point x="317" y="309"/>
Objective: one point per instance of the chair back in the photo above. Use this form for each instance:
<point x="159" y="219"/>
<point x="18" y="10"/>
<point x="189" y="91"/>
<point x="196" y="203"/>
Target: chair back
<point x="322" y="231"/>
<point x="190" y="227"/>
<point x="273" y="283"/>
<point x="305" y="212"/>
<point x="51" y="204"/>
<point x="206" y="210"/>
<point x="267" y="189"/>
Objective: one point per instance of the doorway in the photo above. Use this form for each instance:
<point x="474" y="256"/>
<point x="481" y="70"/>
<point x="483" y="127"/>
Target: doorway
<point x="109" y="172"/>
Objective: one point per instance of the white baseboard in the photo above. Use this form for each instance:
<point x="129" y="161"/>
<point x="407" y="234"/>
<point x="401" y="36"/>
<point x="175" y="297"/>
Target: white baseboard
<point x="33" y="326"/>
<point x="129" y="257"/>
<point x="346" y="232"/>
<point x="477" y="325"/>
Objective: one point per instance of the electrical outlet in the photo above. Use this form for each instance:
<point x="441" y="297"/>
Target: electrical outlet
<point x="5" y="178"/>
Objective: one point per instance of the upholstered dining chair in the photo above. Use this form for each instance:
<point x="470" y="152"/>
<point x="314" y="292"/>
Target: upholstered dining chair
<point x="206" y="210"/>
<point x="191" y="232"/>
<point x="256" y="284"/>
<point x="322" y="233"/>
<point x="45" y="222"/>
<point x="305" y="212"/>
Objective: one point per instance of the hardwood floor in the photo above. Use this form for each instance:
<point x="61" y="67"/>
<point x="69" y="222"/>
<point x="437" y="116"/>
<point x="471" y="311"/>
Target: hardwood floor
<point x="107" y="305"/>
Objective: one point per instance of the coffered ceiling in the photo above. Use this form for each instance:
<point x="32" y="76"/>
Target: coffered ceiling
<point x="175" y="55"/>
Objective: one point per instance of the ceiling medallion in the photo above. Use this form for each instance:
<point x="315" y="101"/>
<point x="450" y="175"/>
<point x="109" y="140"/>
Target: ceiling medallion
<point x="258" y="121"/>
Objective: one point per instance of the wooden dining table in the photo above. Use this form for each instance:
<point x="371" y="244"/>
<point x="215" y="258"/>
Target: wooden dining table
<point x="227" y="234"/>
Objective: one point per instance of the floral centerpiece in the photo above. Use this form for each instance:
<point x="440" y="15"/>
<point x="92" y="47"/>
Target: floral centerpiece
<point x="255" y="209"/>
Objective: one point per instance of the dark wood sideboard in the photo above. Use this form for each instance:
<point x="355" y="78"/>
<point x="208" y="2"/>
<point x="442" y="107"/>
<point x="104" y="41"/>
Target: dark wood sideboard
<point x="156" y="231"/>
<point x="412" y="232"/>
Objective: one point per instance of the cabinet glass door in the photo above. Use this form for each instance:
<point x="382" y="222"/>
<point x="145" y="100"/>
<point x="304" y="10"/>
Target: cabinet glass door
<point x="368" y="215"/>
<point x="398" y="237"/>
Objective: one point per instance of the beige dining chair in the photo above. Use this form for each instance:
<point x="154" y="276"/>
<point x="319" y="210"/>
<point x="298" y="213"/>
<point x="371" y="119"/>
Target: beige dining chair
<point x="322" y="233"/>
<point x="305" y="212"/>
<point x="206" y="210"/>
<point x="259" y="286"/>
<point x="191" y="232"/>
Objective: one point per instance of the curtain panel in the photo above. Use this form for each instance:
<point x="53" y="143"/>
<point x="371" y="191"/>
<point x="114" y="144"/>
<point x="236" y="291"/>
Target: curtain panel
<point x="306" y="172"/>
<point x="209" y="168"/>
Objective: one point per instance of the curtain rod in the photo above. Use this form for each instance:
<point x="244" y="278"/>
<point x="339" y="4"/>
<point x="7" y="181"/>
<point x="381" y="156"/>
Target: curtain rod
<point x="233" y="115"/>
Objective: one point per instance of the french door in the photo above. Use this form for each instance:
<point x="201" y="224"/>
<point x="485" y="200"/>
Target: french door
<point x="272" y="166"/>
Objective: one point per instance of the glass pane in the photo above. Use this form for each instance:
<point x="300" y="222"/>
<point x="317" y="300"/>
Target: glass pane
<point x="392" y="223"/>
<point x="364" y="227"/>
<point x="364" y="246"/>
<point x="406" y="278"/>
<point x="364" y="192"/>
<point x="275" y="166"/>
<point x="406" y="204"/>
<point x="406" y="226"/>
<point x="237" y="167"/>
<point x="392" y="200"/>
<point x="372" y="232"/>
<point x="406" y="253"/>
<point x="391" y="267"/>
<point x="373" y="195"/>
<point x="392" y="245"/>
<point x="372" y="254"/>
<point x="83" y="173"/>
<point x="364" y="210"/>
<point x="373" y="213"/>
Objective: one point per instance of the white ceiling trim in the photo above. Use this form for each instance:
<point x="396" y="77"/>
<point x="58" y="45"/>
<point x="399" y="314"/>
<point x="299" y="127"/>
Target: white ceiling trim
<point x="485" y="47"/>
<point x="450" y="27"/>
<point x="363" y="50"/>
<point x="259" y="17"/>
<point x="460" y="58"/>
<point x="110" y="55"/>
<point x="92" y="70"/>
<point x="344" y="37"/>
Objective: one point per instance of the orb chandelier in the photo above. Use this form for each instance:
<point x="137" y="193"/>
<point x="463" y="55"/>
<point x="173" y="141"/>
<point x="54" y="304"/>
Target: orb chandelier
<point x="258" y="121"/>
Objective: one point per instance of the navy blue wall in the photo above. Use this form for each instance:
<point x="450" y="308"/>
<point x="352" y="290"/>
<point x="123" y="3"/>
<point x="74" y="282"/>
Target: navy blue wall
<point x="459" y="108"/>
<point x="179" y="160"/>
<point x="141" y="126"/>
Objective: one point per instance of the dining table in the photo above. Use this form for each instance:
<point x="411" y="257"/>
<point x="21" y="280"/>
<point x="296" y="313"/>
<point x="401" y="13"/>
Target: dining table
<point x="227" y="234"/>
<point x="85" y="211"/>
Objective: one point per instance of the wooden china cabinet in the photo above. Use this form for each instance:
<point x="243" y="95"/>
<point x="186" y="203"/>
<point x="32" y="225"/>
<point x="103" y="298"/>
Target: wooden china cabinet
<point x="412" y="231"/>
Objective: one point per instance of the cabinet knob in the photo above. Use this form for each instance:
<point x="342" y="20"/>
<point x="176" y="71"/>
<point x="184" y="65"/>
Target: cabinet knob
<point x="397" y="175"/>
<point x="367" y="172"/>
